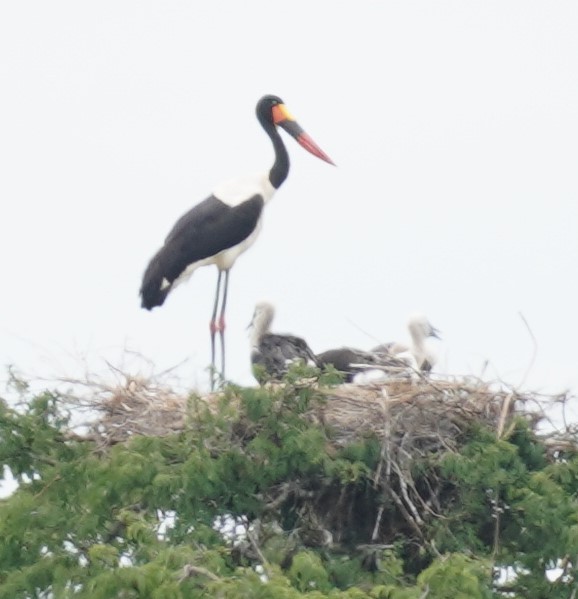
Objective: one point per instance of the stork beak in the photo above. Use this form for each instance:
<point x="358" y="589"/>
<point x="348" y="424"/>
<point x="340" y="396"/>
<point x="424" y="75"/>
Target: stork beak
<point x="283" y="119"/>
<point x="434" y="333"/>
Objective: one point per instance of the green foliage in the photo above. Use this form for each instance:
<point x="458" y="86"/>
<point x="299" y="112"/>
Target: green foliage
<point x="506" y="506"/>
<point x="457" y="577"/>
<point x="86" y="521"/>
<point x="307" y="572"/>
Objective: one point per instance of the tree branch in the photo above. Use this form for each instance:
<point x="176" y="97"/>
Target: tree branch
<point x="189" y="571"/>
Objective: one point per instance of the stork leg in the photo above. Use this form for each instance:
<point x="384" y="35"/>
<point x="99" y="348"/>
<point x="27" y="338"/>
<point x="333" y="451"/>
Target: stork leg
<point x="214" y="327"/>
<point x="221" y="323"/>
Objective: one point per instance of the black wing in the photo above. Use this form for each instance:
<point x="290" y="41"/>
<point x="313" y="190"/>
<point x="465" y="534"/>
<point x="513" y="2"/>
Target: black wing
<point x="343" y="358"/>
<point x="276" y="353"/>
<point x="294" y="348"/>
<point x="207" y="229"/>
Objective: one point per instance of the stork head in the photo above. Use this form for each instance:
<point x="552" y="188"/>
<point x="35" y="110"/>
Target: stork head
<point x="420" y="328"/>
<point x="261" y="321"/>
<point x="271" y="110"/>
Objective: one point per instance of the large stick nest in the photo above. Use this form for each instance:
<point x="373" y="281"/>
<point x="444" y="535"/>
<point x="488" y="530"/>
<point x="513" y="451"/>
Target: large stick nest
<point x="419" y="416"/>
<point x="412" y="420"/>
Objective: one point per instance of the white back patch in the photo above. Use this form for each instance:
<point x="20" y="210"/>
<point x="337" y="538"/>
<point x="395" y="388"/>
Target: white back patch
<point x="237" y="191"/>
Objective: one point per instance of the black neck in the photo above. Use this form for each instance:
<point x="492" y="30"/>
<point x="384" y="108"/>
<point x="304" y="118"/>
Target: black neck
<point x="280" y="168"/>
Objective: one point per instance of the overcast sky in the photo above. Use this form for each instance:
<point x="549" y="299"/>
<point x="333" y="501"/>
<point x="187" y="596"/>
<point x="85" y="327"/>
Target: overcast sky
<point x="454" y="126"/>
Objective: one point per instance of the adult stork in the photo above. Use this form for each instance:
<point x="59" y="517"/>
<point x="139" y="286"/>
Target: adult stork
<point x="420" y="328"/>
<point x="272" y="354"/>
<point x="221" y="227"/>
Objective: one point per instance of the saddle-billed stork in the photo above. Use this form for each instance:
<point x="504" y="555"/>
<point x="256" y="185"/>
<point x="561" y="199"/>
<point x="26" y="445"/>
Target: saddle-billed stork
<point x="361" y="367"/>
<point x="221" y="227"/>
<point x="420" y="328"/>
<point x="272" y="353"/>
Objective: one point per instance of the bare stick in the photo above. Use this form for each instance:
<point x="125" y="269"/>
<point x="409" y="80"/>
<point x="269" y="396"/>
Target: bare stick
<point x="189" y="571"/>
<point x="408" y="517"/>
<point x="362" y="330"/>
<point x="534" y="350"/>
<point x="377" y="523"/>
<point x="503" y="414"/>
<point x="405" y="495"/>
<point x="385" y="446"/>
<point x="263" y="559"/>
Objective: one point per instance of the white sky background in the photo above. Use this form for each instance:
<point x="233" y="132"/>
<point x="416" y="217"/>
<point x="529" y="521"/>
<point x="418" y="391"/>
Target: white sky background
<point x="454" y="126"/>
